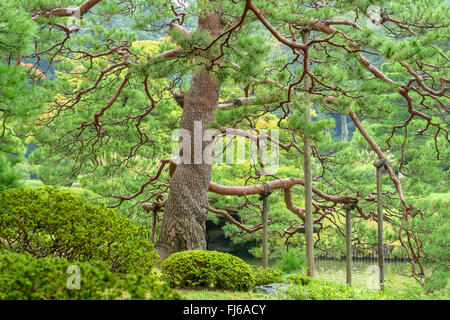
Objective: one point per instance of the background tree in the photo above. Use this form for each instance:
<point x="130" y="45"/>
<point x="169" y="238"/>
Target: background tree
<point x="17" y="98"/>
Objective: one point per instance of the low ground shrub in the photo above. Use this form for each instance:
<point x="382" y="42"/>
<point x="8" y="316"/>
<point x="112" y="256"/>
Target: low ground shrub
<point x="48" y="222"/>
<point x="297" y="279"/>
<point x="323" y="290"/>
<point x="318" y="289"/>
<point x="207" y="269"/>
<point x="25" y="277"/>
<point x="264" y="276"/>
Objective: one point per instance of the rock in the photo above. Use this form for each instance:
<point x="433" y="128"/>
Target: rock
<point x="272" y="288"/>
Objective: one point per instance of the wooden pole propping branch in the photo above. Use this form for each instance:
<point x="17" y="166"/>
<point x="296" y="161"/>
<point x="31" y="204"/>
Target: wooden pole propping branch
<point x="301" y="229"/>
<point x="149" y="206"/>
<point x="264" y="215"/>
<point x="153" y="207"/>
<point x="348" y="207"/>
<point x="309" y="231"/>
<point x="154" y="221"/>
<point x="380" y="167"/>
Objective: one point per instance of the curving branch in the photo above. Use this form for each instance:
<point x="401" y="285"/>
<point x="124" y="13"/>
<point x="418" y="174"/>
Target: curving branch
<point x="69" y="11"/>
<point x="381" y="155"/>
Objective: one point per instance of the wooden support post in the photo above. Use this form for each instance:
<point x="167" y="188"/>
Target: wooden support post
<point x="348" y="241"/>
<point x="309" y="240"/>
<point x="379" y="165"/>
<point x="264" y="215"/>
<point x="153" y="207"/>
<point x="155" y="219"/>
<point x="265" y="254"/>
<point x="301" y="229"/>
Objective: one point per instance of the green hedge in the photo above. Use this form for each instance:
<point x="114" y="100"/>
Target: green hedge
<point x="266" y="275"/>
<point x="207" y="269"/>
<point x="25" y="277"/>
<point x="48" y="222"/>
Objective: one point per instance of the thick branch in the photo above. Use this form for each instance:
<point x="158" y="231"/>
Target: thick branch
<point x="176" y="27"/>
<point x="272" y="30"/>
<point x="228" y="105"/>
<point x="67" y="12"/>
<point x="236" y="223"/>
<point x="285" y="183"/>
<point x="300" y="212"/>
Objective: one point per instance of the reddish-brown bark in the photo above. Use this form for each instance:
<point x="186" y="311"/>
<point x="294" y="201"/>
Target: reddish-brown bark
<point x="183" y="225"/>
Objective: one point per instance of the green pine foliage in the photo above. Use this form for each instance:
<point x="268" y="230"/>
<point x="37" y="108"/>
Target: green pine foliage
<point x="292" y="261"/>
<point x="11" y="155"/>
<point x="20" y="103"/>
<point x="434" y="231"/>
<point x="18" y="29"/>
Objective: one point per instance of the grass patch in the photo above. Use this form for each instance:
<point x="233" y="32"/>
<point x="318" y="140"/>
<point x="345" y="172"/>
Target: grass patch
<point x="223" y="295"/>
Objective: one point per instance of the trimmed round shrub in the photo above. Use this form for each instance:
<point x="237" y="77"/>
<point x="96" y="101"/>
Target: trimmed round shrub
<point x="207" y="269"/>
<point x="266" y="275"/>
<point x="297" y="279"/>
<point x="48" y="222"/>
<point x="25" y="277"/>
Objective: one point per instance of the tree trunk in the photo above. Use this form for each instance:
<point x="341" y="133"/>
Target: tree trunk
<point x="183" y="225"/>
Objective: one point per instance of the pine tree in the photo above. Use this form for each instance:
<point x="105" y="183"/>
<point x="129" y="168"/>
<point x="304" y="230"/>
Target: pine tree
<point x="384" y="66"/>
<point x="18" y="103"/>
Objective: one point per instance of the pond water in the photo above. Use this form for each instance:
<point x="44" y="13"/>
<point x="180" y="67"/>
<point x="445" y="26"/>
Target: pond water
<point x="364" y="272"/>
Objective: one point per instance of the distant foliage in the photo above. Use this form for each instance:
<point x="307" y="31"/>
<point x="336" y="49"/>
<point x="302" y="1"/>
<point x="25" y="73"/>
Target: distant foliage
<point x="47" y="222"/>
<point x="11" y="155"/>
<point x="25" y="277"/>
<point x="207" y="269"/>
<point x="20" y="99"/>
<point x="266" y="275"/>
